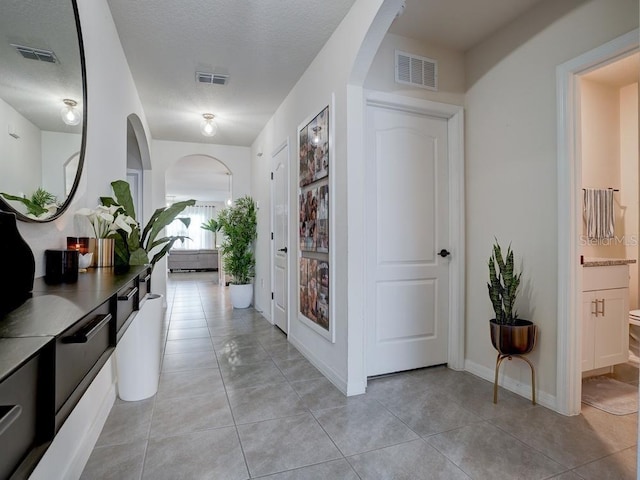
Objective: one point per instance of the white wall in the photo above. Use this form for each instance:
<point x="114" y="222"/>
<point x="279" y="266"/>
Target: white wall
<point x="328" y="74"/>
<point x="511" y="170"/>
<point x="57" y="148"/>
<point x="600" y="135"/>
<point x="20" y="158"/>
<point x="630" y="182"/>
<point x="165" y="154"/>
<point x="451" y="86"/>
<point x="109" y="79"/>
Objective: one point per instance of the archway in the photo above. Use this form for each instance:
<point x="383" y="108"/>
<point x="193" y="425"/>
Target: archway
<point x="207" y="180"/>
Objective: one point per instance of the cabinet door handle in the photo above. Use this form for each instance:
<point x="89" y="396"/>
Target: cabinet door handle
<point x="9" y="414"/>
<point x="598" y="311"/>
<point x="86" y="333"/>
<point x="128" y="296"/>
<point x="602" y="312"/>
<point x="594" y="302"/>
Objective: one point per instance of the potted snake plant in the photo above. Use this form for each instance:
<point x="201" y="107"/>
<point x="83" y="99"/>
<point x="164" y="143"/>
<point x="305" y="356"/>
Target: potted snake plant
<point x="510" y="335"/>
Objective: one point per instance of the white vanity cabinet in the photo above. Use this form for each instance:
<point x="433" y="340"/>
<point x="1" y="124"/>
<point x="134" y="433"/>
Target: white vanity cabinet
<point x="605" y="315"/>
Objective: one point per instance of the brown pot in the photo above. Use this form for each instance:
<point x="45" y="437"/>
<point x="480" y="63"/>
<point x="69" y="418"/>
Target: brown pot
<point x="516" y="339"/>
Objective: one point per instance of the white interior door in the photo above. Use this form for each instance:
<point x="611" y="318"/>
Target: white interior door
<point x="280" y="222"/>
<point x="407" y="226"/>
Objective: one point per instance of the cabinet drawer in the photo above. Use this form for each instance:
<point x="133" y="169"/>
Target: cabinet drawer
<point x="18" y="418"/>
<point x="605" y="278"/>
<point x="127" y="303"/>
<point x="78" y="350"/>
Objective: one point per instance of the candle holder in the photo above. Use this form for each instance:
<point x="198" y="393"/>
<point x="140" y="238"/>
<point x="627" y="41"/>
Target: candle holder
<point x="81" y="244"/>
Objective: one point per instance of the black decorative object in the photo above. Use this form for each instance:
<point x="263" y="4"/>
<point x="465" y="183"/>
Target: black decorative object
<point x="61" y="266"/>
<point x="17" y="265"/>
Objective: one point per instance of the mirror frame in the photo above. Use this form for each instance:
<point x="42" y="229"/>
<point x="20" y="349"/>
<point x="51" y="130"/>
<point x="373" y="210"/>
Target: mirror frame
<point x="4" y="205"/>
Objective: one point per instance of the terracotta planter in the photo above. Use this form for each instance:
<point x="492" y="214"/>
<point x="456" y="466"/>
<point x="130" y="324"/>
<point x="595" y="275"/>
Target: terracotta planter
<point x="516" y="339"/>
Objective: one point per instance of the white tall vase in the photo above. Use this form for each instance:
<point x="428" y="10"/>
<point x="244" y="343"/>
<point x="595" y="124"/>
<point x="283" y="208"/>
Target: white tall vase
<point x="138" y="352"/>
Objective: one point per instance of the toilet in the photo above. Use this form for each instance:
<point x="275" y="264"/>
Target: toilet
<point x="634" y="336"/>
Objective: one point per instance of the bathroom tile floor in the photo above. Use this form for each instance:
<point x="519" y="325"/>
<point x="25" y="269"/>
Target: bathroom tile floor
<point x="237" y="401"/>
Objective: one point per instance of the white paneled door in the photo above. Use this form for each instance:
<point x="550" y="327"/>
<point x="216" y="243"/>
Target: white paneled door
<point x="280" y="222"/>
<point x="407" y="215"/>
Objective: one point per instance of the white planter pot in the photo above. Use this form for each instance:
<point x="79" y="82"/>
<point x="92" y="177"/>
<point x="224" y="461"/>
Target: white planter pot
<point x="241" y="295"/>
<point x="138" y="352"/>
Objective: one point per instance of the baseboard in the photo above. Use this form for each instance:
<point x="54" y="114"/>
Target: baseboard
<point x="71" y="448"/>
<point x="333" y="376"/>
<point x="524" y="390"/>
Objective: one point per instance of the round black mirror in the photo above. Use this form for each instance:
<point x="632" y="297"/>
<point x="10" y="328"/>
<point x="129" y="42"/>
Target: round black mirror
<point x="43" y="107"/>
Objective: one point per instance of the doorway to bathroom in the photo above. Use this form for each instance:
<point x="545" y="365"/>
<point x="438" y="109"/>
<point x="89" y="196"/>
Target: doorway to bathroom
<point x="598" y="213"/>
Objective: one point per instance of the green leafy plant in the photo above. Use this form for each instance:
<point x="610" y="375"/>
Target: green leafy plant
<point x="240" y="227"/>
<point x="503" y="285"/>
<point x="135" y="247"/>
<point x="214" y="226"/>
<point x="40" y="203"/>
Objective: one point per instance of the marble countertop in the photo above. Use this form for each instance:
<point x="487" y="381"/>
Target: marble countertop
<point x="607" y="262"/>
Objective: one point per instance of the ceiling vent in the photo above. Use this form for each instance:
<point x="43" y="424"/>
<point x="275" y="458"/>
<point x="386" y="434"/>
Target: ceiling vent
<point x="417" y="71"/>
<point x="211" y="78"/>
<point x="36" y="53"/>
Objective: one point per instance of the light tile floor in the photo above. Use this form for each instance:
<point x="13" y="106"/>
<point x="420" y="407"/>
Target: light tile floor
<point x="237" y="401"/>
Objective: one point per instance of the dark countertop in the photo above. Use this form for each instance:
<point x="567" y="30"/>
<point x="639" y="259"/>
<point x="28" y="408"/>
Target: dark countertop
<point x="55" y="308"/>
<point x="15" y="352"/>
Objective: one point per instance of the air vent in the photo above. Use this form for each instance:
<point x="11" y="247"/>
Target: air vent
<point x="211" y="78"/>
<point x="416" y="71"/>
<point x="36" y="53"/>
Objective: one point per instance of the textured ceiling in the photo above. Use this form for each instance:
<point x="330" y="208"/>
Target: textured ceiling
<point x="34" y="88"/>
<point x="263" y="45"/>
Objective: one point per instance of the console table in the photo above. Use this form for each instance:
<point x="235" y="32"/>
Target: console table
<point x="51" y="349"/>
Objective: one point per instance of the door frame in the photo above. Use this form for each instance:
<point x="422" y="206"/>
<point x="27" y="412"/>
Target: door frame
<point x="569" y="334"/>
<point x="454" y="115"/>
<point x="284" y="145"/>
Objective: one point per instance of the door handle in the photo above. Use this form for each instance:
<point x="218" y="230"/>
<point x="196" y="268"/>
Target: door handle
<point x="444" y="253"/>
<point x="283" y="249"/>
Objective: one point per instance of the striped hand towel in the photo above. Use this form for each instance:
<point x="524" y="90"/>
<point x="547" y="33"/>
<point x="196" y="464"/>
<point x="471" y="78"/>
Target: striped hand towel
<point x="598" y="213"/>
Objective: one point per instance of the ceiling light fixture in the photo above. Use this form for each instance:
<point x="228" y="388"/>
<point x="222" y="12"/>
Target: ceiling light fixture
<point x="70" y="115"/>
<point x="208" y="127"/>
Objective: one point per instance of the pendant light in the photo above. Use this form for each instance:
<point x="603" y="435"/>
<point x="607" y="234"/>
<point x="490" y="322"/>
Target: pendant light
<point x="208" y="127"/>
<point x="69" y="113"/>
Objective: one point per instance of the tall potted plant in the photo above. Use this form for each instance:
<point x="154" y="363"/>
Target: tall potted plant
<point x="510" y="335"/>
<point x="239" y="226"/>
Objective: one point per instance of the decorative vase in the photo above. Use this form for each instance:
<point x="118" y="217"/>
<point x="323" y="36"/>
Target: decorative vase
<point x="241" y="295"/>
<point x="17" y="265"/>
<point x="516" y="339"/>
<point x="138" y="352"/>
<point x="102" y="249"/>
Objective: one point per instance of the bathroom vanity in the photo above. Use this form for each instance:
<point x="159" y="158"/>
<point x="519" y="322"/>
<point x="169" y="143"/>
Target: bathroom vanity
<point x="605" y="313"/>
<point x="51" y="349"/>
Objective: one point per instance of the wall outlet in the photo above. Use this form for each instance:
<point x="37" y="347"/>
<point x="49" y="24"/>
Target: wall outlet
<point x="262" y="283"/>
